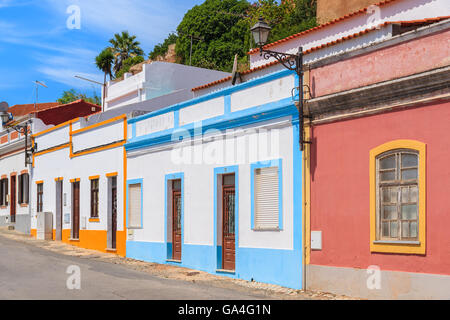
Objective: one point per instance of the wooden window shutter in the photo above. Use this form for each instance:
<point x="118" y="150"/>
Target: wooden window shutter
<point x="266" y="198"/>
<point x="135" y="203"/>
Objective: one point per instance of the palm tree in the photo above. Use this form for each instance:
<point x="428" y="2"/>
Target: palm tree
<point x="124" y="46"/>
<point x="104" y="62"/>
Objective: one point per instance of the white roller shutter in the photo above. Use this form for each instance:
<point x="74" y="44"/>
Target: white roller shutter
<point x="266" y="198"/>
<point x="134" y="206"/>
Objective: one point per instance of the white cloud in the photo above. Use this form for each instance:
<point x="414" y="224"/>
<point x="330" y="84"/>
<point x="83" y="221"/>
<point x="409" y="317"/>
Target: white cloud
<point x="151" y="20"/>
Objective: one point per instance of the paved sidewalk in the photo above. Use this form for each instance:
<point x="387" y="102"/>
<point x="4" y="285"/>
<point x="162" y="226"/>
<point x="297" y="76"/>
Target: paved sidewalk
<point x="239" y="289"/>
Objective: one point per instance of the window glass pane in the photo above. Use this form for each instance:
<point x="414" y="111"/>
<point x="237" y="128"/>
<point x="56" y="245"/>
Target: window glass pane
<point x="394" y="229"/>
<point x="409" y="212"/>
<point x="389" y="195"/>
<point x="405" y="195"/>
<point x="413" y="229"/>
<point x="228" y="180"/>
<point x="385" y="229"/>
<point x="405" y="230"/>
<point x="409" y="160"/>
<point x="388" y="162"/>
<point x="414" y="194"/>
<point x="409" y="174"/>
<point x="390" y="212"/>
<point x="176" y="185"/>
<point x="387" y="176"/>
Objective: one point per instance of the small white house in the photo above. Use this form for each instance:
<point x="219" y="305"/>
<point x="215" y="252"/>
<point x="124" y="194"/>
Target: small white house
<point x="155" y="80"/>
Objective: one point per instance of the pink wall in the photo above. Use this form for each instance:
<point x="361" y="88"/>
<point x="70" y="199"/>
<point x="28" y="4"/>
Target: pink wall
<point x="390" y="63"/>
<point x="340" y="188"/>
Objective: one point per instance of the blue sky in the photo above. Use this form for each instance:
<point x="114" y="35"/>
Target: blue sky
<point x="35" y="43"/>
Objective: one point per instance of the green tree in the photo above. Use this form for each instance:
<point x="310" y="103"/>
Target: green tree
<point x="73" y="95"/>
<point x="123" y="47"/>
<point x="104" y="62"/>
<point x="223" y="30"/>
<point x="127" y="64"/>
<point x="286" y="18"/>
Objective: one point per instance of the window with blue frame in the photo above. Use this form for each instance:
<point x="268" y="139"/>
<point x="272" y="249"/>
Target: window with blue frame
<point x="267" y="212"/>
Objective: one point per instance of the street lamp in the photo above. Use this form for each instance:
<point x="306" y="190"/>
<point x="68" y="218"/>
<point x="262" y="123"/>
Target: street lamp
<point x="293" y="62"/>
<point x="6" y="117"/>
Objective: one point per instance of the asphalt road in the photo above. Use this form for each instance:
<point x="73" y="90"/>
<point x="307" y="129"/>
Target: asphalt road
<point x="29" y="273"/>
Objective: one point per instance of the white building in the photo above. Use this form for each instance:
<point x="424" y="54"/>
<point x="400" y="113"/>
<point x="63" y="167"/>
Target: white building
<point x="155" y="80"/>
<point x="80" y="165"/>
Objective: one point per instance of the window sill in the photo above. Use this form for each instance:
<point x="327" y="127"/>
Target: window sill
<point x="267" y="229"/>
<point x="94" y="220"/>
<point x="397" y="242"/>
<point x="110" y="250"/>
<point x="4" y="207"/>
<point x="74" y="240"/>
<point x="24" y="205"/>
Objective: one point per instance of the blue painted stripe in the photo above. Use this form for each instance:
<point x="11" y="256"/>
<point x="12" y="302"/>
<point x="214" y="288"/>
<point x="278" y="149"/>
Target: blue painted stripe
<point x="265" y="112"/>
<point x="217" y="94"/>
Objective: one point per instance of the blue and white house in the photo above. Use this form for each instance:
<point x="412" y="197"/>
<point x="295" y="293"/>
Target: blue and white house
<point x="215" y="183"/>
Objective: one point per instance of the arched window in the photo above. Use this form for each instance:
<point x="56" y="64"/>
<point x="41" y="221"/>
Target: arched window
<point x="398" y="195"/>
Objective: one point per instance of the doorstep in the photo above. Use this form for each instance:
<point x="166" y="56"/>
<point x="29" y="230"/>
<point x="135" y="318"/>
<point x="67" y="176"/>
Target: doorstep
<point x="226" y="271"/>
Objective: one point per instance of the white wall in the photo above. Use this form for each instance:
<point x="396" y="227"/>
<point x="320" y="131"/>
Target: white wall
<point x="199" y="190"/>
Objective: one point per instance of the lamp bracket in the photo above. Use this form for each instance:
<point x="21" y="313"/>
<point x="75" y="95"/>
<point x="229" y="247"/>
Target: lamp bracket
<point x="289" y="61"/>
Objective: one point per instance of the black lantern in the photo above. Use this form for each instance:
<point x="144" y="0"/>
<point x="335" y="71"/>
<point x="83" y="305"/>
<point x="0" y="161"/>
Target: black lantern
<point x="261" y="31"/>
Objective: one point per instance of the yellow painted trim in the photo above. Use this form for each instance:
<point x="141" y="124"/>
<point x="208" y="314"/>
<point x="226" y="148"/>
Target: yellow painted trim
<point x="52" y="150"/>
<point x="399" y="248"/>
<point x="112" y="174"/>
<point x="54" y="128"/>
<point x="307" y="200"/>
<point x="99" y="124"/>
<point x="94" y="220"/>
<point x="111" y="146"/>
<point x="75" y="180"/>
<point x="94" y="177"/>
<point x="59" y="179"/>
<point x="40" y="182"/>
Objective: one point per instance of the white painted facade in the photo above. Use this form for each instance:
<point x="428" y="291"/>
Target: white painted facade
<point x="232" y="130"/>
<point x="156" y="79"/>
<point x="94" y="154"/>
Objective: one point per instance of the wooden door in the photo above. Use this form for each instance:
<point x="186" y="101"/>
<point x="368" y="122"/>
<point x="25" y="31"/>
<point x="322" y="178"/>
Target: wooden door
<point x="176" y="220"/>
<point x="76" y="210"/>
<point x="228" y="223"/>
<point x="13" y="199"/>
<point x="114" y="214"/>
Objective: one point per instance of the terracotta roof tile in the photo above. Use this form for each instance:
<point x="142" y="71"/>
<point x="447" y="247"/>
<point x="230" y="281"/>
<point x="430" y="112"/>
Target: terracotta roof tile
<point x="24" y="109"/>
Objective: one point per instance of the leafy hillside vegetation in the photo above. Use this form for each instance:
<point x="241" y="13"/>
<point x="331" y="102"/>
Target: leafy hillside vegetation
<point x="220" y="29"/>
<point x="211" y="34"/>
